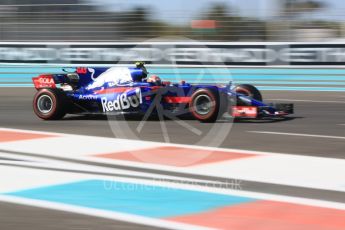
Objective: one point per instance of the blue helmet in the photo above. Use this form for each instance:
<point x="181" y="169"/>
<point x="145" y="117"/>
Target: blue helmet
<point x="139" y="72"/>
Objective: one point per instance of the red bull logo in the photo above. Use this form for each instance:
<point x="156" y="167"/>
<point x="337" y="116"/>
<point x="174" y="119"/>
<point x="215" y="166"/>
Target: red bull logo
<point x="122" y="102"/>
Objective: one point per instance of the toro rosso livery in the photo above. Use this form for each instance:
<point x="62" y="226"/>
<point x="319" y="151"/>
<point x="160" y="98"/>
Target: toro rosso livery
<point x="130" y="90"/>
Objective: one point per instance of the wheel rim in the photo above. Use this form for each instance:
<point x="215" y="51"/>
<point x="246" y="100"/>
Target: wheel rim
<point x="202" y="104"/>
<point x="44" y="104"/>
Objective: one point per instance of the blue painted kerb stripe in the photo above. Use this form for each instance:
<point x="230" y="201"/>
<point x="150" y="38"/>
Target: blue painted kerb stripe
<point x="137" y="199"/>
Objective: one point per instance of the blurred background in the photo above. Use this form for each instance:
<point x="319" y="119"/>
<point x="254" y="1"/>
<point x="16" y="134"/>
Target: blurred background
<point x="139" y="20"/>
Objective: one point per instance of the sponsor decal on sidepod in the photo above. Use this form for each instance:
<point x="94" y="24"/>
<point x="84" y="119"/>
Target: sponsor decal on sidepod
<point x="87" y="97"/>
<point x="122" y="102"/>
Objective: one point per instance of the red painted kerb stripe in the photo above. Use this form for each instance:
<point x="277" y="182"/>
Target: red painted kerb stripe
<point x="6" y="136"/>
<point x="175" y="156"/>
<point x="268" y="215"/>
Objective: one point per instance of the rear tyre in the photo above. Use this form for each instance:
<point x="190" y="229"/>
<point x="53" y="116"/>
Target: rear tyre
<point x="248" y="90"/>
<point x="48" y="104"/>
<point x="204" y="105"/>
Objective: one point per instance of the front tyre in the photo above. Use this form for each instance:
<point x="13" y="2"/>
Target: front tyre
<point x="248" y="90"/>
<point x="48" y="104"/>
<point x="204" y="105"/>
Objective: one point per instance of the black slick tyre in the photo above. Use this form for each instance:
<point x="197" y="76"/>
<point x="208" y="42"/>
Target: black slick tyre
<point x="204" y="105"/>
<point x="49" y="104"/>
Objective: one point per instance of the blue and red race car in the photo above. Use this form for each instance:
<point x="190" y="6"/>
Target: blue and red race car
<point x="122" y="90"/>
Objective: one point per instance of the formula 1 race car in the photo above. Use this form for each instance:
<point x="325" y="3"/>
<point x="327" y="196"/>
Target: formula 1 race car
<point x="128" y="90"/>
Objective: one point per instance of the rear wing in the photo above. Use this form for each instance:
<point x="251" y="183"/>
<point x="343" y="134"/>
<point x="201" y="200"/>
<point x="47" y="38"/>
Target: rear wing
<point x="44" y="81"/>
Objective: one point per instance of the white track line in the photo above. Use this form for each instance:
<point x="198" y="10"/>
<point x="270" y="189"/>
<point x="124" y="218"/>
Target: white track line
<point x="88" y="170"/>
<point x="312" y="101"/>
<point x="244" y="151"/>
<point x="59" y="134"/>
<point x="298" y="134"/>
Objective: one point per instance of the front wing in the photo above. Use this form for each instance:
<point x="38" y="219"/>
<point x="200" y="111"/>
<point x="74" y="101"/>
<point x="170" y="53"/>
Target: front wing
<point x="275" y="110"/>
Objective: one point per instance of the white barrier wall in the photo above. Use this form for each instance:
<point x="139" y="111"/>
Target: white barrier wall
<point x="179" y="53"/>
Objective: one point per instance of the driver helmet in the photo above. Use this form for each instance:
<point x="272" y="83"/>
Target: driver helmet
<point x="154" y="79"/>
<point x="141" y="65"/>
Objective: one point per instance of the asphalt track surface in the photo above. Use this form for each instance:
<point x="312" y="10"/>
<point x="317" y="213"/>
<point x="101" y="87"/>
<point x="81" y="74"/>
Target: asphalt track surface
<point x="21" y="217"/>
<point x="321" y="114"/>
<point x="316" y="113"/>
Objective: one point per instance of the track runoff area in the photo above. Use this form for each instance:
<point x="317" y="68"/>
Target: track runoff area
<point x="264" y="175"/>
